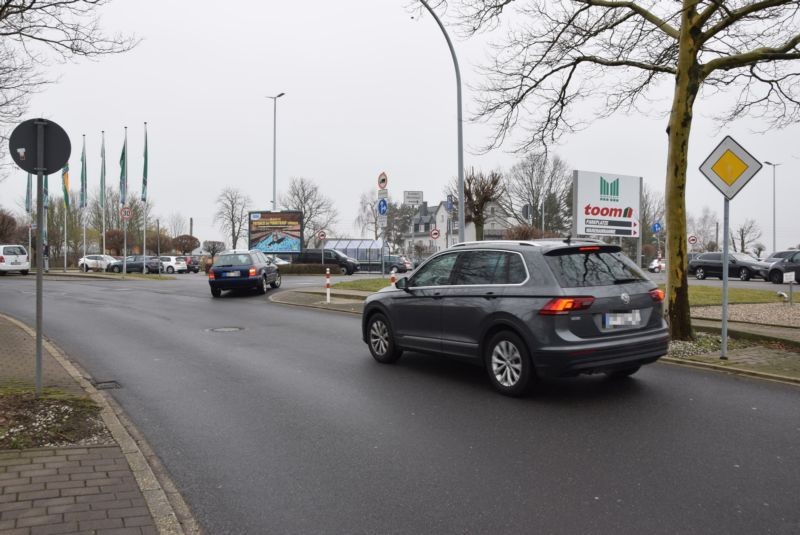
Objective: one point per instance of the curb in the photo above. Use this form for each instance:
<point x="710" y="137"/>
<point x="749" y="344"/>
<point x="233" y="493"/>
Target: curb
<point x="278" y="300"/>
<point x="158" y="503"/>
<point x="731" y="369"/>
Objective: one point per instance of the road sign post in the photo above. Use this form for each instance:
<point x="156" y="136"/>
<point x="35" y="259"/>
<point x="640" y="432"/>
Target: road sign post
<point x="39" y="147"/>
<point x="729" y="167"/>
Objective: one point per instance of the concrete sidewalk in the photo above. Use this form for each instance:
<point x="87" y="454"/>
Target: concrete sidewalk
<point x="778" y="364"/>
<point x="103" y="489"/>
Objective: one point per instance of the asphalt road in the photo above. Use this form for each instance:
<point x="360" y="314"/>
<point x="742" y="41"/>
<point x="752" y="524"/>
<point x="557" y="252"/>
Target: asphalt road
<point x="289" y="426"/>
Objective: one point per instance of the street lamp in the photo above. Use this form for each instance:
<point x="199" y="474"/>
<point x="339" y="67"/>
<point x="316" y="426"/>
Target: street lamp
<point x="274" y="148"/>
<point x="774" y="165"/>
<point x="461" y="206"/>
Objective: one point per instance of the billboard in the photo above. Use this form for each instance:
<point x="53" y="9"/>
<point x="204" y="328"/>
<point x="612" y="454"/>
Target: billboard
<point x="275" y="232"/>
<point x="605" y="204"/>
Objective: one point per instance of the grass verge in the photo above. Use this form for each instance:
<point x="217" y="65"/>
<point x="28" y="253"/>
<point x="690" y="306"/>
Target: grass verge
<point x="711" y="296"/>
<point x="54" y="419"/>
<point x="368" y="285"/>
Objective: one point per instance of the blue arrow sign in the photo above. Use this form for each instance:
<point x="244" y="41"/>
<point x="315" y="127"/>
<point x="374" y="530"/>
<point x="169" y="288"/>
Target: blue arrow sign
<point x="656" y="227"/>
<point x="383" y="207"/>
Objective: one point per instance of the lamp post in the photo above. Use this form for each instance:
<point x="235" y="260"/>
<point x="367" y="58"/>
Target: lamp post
<point x="461" y="206"/>
<point x="774" y="165"/>
<point x="274" y="148"/>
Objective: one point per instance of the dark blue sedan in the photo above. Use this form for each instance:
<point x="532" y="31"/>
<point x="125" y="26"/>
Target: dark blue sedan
<point x="243" y="270"/>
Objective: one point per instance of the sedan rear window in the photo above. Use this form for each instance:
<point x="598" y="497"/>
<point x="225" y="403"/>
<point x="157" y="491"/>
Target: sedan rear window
<point x="574" y="268"/>
<point x="233" y="260"/>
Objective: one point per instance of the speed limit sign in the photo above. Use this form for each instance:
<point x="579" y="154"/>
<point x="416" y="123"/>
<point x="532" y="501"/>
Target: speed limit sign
<point x="692" y="240"/>
<point x="435" y="233"/>
<point x="321" y="235"/>
<point x="125" y="212"/>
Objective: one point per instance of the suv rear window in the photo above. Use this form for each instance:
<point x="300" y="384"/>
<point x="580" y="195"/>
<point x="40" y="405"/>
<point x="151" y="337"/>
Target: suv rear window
<point x="490" y="267"/>
<point x="574" y="268"/>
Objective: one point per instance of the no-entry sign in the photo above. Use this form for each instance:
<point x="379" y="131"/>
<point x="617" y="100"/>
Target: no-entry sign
<point x="435" y="233"/>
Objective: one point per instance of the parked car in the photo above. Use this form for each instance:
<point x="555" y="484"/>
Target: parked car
<point x="14" y="258"/>
<point x="192" y="263"/>
<point x="524" y="310"/>
<point x="136" y="264"/>
<point x="95" y="262"/>
<point x="779" y="263"/>
<point x="657" y="265"/>
<point x="396" y="263"/>
<point x="173" y="264"/>
<point x="241" y="269"/>
<point x="740" y="265"/>
<point x="347" y="265"/>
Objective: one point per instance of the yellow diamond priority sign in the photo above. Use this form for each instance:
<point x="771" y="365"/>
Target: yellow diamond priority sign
<point x="729" y="167"/>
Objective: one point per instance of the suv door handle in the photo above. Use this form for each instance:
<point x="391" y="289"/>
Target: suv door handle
<point x="437" y="295"/>
<point x="489" y="295"/>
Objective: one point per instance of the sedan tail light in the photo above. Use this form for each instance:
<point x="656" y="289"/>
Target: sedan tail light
<point x="211" y="275"/>
<point x="252" y="271"/>
<point x="657" y="295"/>
<point x="565" y="305"/>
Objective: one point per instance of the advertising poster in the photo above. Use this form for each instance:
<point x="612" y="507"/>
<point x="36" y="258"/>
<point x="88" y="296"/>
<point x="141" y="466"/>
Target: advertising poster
<point x="275" y="232"/>
<point x="606" y="204"/>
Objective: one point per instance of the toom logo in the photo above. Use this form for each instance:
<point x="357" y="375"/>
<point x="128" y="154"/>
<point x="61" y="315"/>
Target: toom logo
<point x="605" y="211"/>
<point x="609" y="190"/>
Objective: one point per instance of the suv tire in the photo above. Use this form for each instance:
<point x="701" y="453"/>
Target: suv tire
<point x="776" y="277"/>
<point x="744" y="274"/>
<point x="700" y="273"/>
<point x="380" y="339"/>
<point x="343" y="270"/>
<point x="508" y="364"/>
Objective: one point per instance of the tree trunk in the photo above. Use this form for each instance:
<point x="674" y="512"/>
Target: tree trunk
<point x="687" y="84"/>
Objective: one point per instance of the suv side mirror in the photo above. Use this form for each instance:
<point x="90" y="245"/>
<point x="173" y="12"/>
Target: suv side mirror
<point x="402" y="284"/>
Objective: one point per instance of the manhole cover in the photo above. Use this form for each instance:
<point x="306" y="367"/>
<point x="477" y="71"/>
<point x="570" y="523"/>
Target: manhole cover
<point x="225" y="329"/>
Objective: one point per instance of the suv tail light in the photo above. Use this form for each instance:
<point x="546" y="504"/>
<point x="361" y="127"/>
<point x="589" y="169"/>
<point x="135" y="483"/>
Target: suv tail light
<point x="565" y="305"/>
<point x="252" y="271"/>
<point x="211" y="275"/>
<point x="657" y="295"/>
<point x="2" y="260"/>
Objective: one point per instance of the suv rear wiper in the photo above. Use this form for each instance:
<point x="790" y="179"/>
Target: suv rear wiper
<point x="625" y="281"/>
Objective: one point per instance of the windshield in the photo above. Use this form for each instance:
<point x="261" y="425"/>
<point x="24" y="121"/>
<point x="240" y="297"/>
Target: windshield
<point x="573" y="268"/>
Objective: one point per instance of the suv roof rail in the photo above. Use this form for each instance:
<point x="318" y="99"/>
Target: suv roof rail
<point x="488" y="242"/>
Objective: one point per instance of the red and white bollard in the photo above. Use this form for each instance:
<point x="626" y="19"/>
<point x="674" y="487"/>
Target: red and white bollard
<point x="328" y="285"/>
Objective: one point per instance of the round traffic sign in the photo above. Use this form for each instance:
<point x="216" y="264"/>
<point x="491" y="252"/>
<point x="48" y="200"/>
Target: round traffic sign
<point x="435" y="233"/>
<point x="383" y="180"/>
<point x="321" y="235"/>
<point x="125" y="212"/>
<point x="656" y="227"/>
<point x="23" y="144"/>
<point x="692" y="240"/>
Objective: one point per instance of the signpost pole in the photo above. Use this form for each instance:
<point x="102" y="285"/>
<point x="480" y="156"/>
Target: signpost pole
<point x="641" y="230"/>
<point x="39" y="248"/>
<point x="725" y="225"/>
<point x="125" y="248"/>
<point x="66" y="247"/>
<point x="144" y="240"/>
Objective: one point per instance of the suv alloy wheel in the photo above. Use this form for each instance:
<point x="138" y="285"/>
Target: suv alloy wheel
<point x="381" y="340"/>
<point x="508" y="364"/>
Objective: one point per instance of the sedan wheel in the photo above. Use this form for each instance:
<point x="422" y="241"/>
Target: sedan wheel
<point x="343" y="270"/>
<point x="744" y="274"/>
<point x="776" y="277"/>
<point x="216" y="292"/>
<point x="381" y="340"/>
<point x="277" y="282"/>
<point x="116" y="269"/>
<point x="700" y="273"/>
<point x="170" y="270"/>
<point x="508" y="364"/>
<point x="85" y="268"/>
<point x="262" y="287"/>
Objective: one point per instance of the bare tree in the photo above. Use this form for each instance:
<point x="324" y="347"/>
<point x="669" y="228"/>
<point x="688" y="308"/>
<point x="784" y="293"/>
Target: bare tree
<point x="747" y="233"/>
<point x="558" y="53"/>
<point x="318" y="210"/>
<point x="30" y="30"/>
<point x="704" y="228"/>
<point x="231" y="215"/>
<point x="176" y="224"/>
<point x="367" y="219"/>
<point x="213" y="248"/>
<point x="544" y="183"/>
<point x="759" y="248"/>
<point x="479" y="190"/>
<point x="8" y="226"/>
<point x="652" y="211"/>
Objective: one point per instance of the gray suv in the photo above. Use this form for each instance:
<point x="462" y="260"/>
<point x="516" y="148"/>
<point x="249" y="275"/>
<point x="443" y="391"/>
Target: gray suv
<point x="525" y="310"/>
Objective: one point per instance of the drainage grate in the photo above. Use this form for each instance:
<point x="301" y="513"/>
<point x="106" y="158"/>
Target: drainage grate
<point x="107" y="385"/>
<point x="225" y="329"/>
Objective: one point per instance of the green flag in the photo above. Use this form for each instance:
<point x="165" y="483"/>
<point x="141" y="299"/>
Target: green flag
<point x="83" y="175"/>
<point x="123" y="171"/>
<point x="65" y="184"/>
<point x="144" y="173"/>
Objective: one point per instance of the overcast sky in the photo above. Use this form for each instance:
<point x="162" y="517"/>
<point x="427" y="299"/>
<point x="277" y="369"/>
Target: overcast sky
<point x="368" y="89"/>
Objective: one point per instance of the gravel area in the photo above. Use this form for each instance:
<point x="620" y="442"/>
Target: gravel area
<point x="766" y="313"/>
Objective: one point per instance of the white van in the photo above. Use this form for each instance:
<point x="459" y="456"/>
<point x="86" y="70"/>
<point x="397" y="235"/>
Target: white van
<point x="14" y="258"/>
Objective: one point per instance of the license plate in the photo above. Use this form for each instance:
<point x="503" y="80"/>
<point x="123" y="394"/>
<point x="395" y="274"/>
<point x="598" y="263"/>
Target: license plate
<point x="623" y="319"/>
<point x="233" y="274"/>
<point x="15" y="263"/>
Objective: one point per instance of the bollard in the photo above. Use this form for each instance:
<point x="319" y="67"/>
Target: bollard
<point x="328" y="285"/>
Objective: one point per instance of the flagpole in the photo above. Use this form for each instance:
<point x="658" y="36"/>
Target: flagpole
<point x="83" y="196"/>
<point x="103" y="184"/>
<point x="124" y="197"/>
<point x="65" y="237"/>
<point x="144" y="200"/>
<point x="144" y="240"/>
